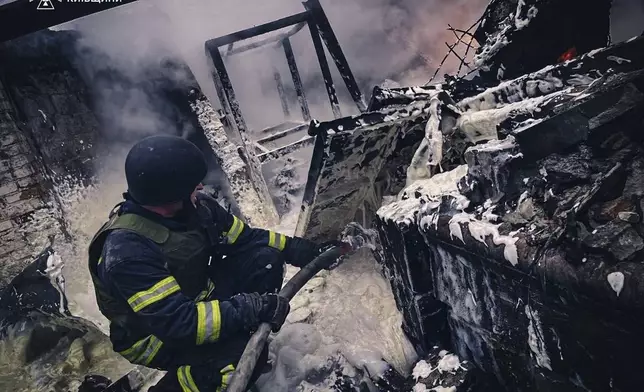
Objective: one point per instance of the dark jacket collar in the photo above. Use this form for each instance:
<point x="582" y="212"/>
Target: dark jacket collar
<point x="185" y="219"/>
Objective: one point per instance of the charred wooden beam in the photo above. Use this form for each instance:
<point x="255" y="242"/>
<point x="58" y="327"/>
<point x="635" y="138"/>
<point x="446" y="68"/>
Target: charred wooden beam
<point x="277" y="38"/>
<point x="326" y="72"/>
<point x="384" y="97"/>
<point x="328" y="36"/>
<point x="297" y="80"/>
<point x="281" y="92"/>
<point x="259" y="149"/>
<point x="225" y="90"/>
<point x="282" y="151"/>
<point x="259" y="30"/>
<point x="282" y="134"/>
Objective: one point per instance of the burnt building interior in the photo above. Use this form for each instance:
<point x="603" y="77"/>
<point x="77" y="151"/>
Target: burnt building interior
<point x="508" y="197"/>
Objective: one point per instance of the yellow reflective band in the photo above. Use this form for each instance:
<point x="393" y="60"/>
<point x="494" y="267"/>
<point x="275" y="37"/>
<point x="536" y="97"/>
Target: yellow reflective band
<point x="228" y="369"/>
<point x="226" y="374"/>
<point x="276" y="240"/>
<point x="282" y="242"/>
<point x="159" y="291"/>
<point x="235" y="230"/>
<point x="185" y="379"/>
<point x="210" y="287"/>
<point x="143" y="351"/>
<point x="100" y="260"/>
<point x="208" y="322"/>
<point x="271" y="239"/>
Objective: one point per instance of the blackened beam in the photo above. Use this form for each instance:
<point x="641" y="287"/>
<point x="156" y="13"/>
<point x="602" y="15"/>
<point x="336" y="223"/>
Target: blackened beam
<point x="258" y="30"/>
<point x="332" y="44"/>
<point x="624" y="57"/>
<point x="22" y="17"/>
<point x="297" y="80"/>
<point x="260" y="149"/>
<point x="383" y="97"/>
<point x="282" y="134"/>
<point x="280" y="91"/>
<point x="225" y="89"/>
<point x="219" y="88"/>
<point x="326" y="72"/>
<point x="281" y="127"/>
<point x="287" y="149"/>
<point x="277" y="38"/>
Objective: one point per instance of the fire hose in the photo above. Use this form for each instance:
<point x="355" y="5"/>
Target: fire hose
<point x="244" y="370"/>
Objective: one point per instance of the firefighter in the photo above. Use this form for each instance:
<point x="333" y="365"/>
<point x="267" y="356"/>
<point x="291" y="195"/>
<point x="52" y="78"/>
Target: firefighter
<point x="183" y="282"/>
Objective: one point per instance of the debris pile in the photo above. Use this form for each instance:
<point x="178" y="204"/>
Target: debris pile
<point x="443" y="372"/>
<point x="539" y="233"/>
<point x="513" y="234"/>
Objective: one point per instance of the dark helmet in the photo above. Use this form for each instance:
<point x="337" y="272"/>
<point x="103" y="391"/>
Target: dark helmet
<point x="163" y="169"/>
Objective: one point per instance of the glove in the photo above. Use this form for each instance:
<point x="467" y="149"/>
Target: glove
<point x="301" y="251"/>
<point x="275" y="308"/>
<point x="330" y="244"/>
<point x="256" y="309"/>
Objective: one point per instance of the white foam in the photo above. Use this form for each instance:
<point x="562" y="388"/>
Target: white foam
<point x="54" y="271"/>
<point x="616" y="281"/>
<point x="449" y="363"/>
<point x="350" y="313"/>
<point x="402" y="211"/>
<point x="535" y="339"/>
<point x="422" y="370"/>
<point x="480" y="230"/>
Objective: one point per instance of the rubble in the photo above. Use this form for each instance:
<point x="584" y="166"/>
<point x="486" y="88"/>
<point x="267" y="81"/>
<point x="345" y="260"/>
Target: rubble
<point x="57" y="350"/>
<point x="444" y="371"/>
<point x="549" y="235"/>
<point x="503" y="247"/>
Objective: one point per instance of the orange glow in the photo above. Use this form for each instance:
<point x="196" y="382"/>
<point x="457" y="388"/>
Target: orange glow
<point x="568" y="55"/>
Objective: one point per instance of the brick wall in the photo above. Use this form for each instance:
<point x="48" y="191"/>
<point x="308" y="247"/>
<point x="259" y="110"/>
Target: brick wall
<point x="51" y="100"/>
<point x="21" y="191"/>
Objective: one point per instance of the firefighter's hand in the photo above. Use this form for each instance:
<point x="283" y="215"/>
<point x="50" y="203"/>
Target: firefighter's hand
<point x="274" y="310"/>
<point x="259" y="308"/>
<point x="337" y="244"/>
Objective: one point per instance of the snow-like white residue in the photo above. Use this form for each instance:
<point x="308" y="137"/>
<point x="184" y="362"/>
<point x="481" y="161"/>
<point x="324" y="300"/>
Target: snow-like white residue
<point x="430" y="151"/>
<point x="449" y="363"/>
<point x="419" y="388"/>
<point x="580" y="80"/>
<point x="54" y="271"/>
<point x="443" y="389"/>
<point x="500" y="72"/>
<point x="348" y="313"/>
<point x="535" y="339"/>
<point x="44" y="116"/>
<point x="422" y="370"/>
<point x="455" y="230"/>
<point x="616" y="281"/>
<point x="521" y="23"/>
<point x="593" y="52"/>
<point x="492" y="46"/>
<point x="480" y="230"/>
<point x="402" y="211"/>
<point x="618" y="60"/>
<point x="482" y="125"/>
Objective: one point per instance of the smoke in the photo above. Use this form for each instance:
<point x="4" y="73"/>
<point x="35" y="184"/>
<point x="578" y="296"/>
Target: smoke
<point x="382" y="39"/>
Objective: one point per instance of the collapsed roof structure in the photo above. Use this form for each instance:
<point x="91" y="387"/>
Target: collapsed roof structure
<point x="514" y="236"/>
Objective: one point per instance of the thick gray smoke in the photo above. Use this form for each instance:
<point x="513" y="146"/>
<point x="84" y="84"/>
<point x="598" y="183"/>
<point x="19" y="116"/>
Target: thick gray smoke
<point x="382" y="39"/>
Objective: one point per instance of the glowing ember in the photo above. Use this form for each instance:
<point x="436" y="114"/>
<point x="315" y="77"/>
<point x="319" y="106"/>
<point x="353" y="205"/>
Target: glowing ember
<point x="568" y="55"/>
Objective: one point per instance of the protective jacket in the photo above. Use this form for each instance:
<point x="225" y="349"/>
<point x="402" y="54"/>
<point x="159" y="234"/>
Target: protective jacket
<point x="153" y="275"/>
